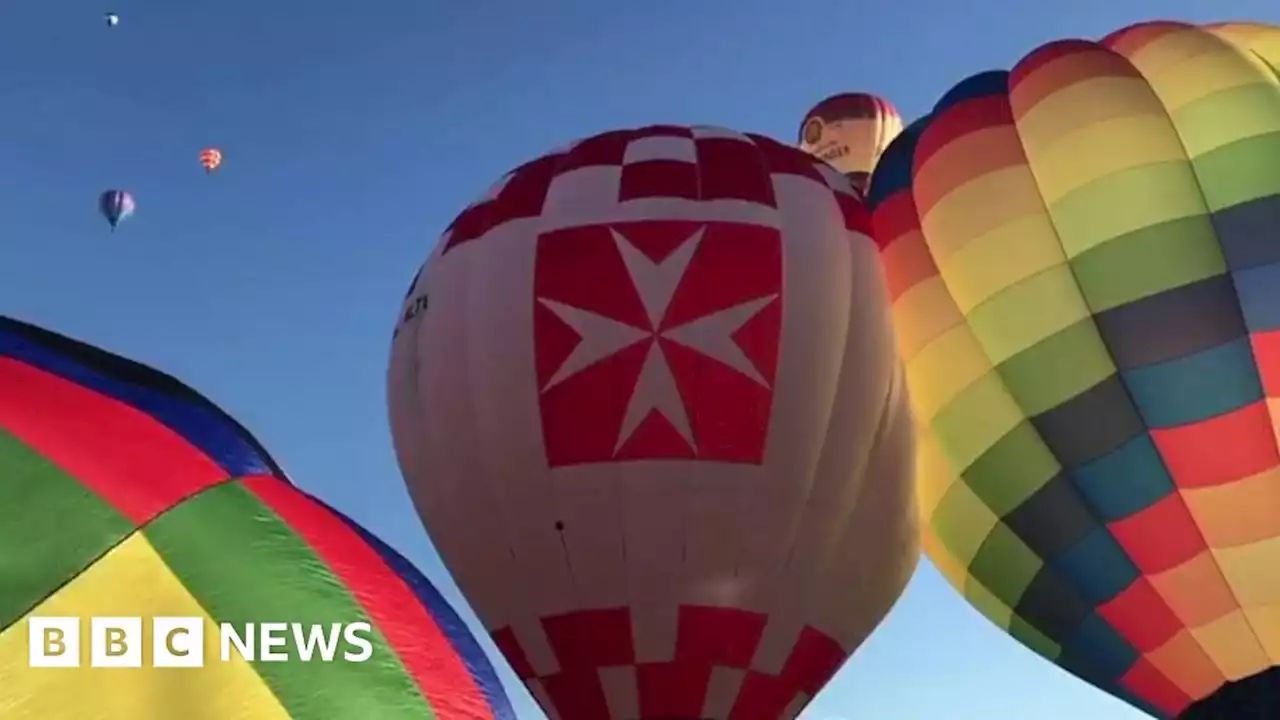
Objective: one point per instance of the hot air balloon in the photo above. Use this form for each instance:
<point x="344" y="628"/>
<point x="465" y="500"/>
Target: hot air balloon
<point x="124" y="493"/>
<point x="1084" y="260"/>
<point x="645" y="397"/>
<point x="112" y="19"/>
<point x="850" y="131"/>
<point x="210" y="159"/>
<point x="116" y="206"/>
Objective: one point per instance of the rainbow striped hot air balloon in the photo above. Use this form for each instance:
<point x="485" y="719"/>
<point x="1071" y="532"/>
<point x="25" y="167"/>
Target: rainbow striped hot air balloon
<point x="125" y="493"/>
<point x="1084" y="256"/>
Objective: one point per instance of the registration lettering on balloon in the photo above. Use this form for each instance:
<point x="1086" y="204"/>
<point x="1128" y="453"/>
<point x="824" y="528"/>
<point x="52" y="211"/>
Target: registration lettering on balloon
<point x="413" y="306"/>
<point x="833" y="153"/>
<point x="418" y="305"/>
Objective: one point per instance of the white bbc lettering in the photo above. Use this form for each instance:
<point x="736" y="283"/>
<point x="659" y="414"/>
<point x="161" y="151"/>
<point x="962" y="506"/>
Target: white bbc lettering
<point x="53" y="642"/>
<point x="115" y="642"/>
<point x="310" y="641"/>
<point x="352" y="635"/>
<point x="243" y="642"/>
<point x="271" y="635"/>
<point x="327" y="642"/>
<point x="179" y="642"/>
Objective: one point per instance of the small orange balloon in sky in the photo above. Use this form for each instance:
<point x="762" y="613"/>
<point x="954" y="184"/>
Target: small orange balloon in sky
<point x="210" y="158"/>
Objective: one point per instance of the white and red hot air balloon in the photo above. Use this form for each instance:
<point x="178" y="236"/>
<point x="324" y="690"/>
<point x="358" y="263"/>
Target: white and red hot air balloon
<point x="851" y="131"/>
<point x="646" y="399"/>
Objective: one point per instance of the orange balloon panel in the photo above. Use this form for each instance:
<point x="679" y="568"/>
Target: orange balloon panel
<point x="647" y="402"/>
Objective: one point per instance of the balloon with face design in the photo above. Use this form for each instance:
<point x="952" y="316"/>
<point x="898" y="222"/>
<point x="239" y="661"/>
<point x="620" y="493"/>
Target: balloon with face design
<point x="850" y="131"/>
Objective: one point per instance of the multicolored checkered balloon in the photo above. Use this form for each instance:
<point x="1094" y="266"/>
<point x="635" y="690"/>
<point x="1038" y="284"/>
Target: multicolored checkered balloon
<point x="1084" y="259"/>
<point x="123" y="493"/>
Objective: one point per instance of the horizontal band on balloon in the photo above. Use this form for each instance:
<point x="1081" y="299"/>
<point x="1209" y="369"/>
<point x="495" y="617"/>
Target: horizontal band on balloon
<point x="605" y="179"/>
<point x="1210" y="108"/>
<point x="171" y="403"/>
<point x="712" y="645"/>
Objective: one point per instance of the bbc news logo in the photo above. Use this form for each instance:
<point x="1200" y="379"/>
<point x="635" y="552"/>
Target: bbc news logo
<point x="178" y="642"/>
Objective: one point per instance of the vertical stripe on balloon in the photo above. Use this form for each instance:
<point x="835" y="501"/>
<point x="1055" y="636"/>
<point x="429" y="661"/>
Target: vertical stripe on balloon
<point x="166" y="400"/>
<point x="92" y="437"/>
<point x="288" y="583"/>
<point x="412" y="634"/>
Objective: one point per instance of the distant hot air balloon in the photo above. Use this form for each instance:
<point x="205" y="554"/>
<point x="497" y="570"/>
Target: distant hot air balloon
<point x="112" y="19"/>
<point x="210" y="159"/>
<point x="850" y="131"/>
<point x="1084" y="256"/>
<point x="124" y="493"/>
<point x="116" y="206"/>
<point x="646" y="400"/>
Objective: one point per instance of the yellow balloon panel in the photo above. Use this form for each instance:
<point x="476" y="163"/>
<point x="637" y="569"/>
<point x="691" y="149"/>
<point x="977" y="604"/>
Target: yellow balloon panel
<point x="129" y="581"/>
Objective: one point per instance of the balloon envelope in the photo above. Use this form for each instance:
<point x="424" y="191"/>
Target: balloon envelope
<point x="1084" y="256"/>
<point x="850" y="131"/>
<point x="646" y="400"/>
<point x="116" y="206"/>
<point x="210" y="159"/>
<point x="124" y="493"/>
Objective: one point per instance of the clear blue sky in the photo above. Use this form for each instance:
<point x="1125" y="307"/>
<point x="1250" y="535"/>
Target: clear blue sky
<point x="353" y="132"/>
